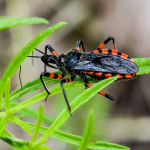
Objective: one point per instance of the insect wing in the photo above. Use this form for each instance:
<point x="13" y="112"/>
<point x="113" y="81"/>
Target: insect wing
<point x="106" y="63"/>
<point x="90" y="66"/>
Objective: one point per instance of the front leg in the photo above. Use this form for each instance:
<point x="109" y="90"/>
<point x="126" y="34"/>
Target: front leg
<point x="50" y="75"/>
<point x="54" y="53"/>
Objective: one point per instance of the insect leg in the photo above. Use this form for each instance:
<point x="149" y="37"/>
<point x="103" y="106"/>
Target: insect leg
<point x="54" y="53"/>
<point x="66" y="80"/>
<point x="87" y="84"/>
<point x="50" y="75"/>
<point x="20" y="77"/>
<point x="106" y="41"/>
<point x="101" y="92"/>
<point x="79" y="44"/>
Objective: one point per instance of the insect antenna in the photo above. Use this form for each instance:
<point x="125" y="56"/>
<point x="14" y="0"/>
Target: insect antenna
<point x="35" y="56"/>
<point x="39" y="51"/>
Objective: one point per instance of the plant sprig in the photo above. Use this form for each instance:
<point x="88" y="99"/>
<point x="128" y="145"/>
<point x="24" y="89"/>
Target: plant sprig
<point x="25" y="109"/>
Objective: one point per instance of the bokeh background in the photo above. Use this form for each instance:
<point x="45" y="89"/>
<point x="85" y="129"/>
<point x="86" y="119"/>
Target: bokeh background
<point x="126" y="120"/>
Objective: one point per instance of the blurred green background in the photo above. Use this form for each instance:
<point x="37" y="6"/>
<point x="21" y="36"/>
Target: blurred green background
<point x="124" y="121"/>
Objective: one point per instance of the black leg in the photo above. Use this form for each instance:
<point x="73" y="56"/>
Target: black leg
<point x="54" y="53"/>
<point x="45" y="69"/>
<point x="20" y="77"/>
<point x="64" y="93"/>
<point x="83" y="77"/>
<point x="50" y="75"/>
<point x="79" y="45"/>
<point x="44" y="85"/>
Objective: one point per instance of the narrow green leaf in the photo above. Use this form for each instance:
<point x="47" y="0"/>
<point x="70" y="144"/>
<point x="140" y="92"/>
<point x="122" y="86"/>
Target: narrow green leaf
<point x="7" y="134"/>
<point x="75" y="140"/>
<point x="142" y="61"/>
<point x="17" y="144"/>
<point x="38" y="124"/>
<point x="81" y="99"/>
<point x="143" y="64"/>
<point x="110" y="146"/>
<point x="9" y="22"/>
<point x="20" y="57"/>
<point x="17" y="121"/>
<point x="87" y="132"/>
<point x="7" y="91"/>
<point x="143" y="70"/>
<point x="32" y="113"/>
<point x="42" y="147"/>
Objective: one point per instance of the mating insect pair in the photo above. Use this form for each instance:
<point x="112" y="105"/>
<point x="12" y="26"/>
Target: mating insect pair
<point x="99" y="64"/>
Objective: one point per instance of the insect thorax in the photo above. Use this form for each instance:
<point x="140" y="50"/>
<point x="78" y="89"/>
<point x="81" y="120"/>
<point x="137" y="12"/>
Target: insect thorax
<point x="66" y="61"/>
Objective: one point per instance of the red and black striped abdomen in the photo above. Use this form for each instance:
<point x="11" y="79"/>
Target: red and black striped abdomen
<point x="103" y="75"/>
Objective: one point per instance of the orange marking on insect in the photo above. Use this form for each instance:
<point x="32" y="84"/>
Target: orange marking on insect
<point x="99" y="74"/>
<point x="133" y="74"/>
<point x="102" y="93"/>
<point x="51" y="75"/>
<point x="90" y="73"/>
<point x="124" y="56"/>
<point x="83" y="71"/>
<point x="89" y="85"/>
<point x="108" y="75"/>
<point x="66" y="80"/>
<point x="78" y="48"/>
<point x="114" y="52"/>
<point x="119" y="76"/>
<point x="105" y="51"/>
<point x="69" y="80"/>
<point x="59" y="76"/>
<point x="102" y="45"/>
<point x="96" y="51"/>
<point x="54" y="53"/>
<point x="128" y="76"/>
<point x="114" y="46"/>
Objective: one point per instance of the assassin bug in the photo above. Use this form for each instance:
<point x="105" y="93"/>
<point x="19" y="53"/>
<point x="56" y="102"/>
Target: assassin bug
<point x="99" y="64"/>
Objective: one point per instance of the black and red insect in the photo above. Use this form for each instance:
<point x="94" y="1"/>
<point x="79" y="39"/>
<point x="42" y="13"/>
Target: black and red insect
<point x="99" y="64"/>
